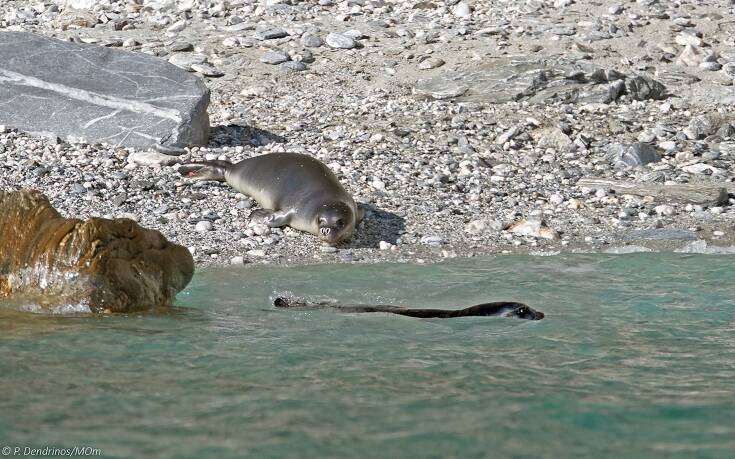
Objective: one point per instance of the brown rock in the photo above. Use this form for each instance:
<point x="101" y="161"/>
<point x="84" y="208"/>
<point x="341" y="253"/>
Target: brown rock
<point x="105" y="265"/>
<point x="534" y="228"/>
<point x="75" y="19"/>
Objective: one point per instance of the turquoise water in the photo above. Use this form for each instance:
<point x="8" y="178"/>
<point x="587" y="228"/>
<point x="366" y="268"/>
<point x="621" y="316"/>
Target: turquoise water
<point x="635" y="359"/>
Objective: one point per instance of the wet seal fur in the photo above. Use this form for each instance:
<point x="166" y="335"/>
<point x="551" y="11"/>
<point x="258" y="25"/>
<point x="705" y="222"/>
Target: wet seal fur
<point x="294" y="189"/>
<point x="499" y="308"/>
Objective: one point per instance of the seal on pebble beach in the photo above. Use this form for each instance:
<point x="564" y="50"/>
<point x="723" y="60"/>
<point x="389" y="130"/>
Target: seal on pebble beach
<point x="294" y="189"/>
<point x="498" y="308"/>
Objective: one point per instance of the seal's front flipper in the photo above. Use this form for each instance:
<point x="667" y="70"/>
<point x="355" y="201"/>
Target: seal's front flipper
<point x="205" y="170"/>
<point x="272" y="218"/>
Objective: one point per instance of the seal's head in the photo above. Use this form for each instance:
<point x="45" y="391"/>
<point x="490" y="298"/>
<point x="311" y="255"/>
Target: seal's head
<point x="522" y="311"/>
<point x="336" y="222"/>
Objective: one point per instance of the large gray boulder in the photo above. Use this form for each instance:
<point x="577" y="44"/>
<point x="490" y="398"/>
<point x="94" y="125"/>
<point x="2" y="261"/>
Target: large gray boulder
<point x="96" y="94"/>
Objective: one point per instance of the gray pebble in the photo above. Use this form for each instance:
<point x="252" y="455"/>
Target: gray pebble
<point x="270" y="33"/>
<point x="311" y="40"/>
<point x="181" y="46"/>
<point x="207" y="70"/>
<point x="631" y="155"/>
<point x="431" y="63"/>
<point x="274" y="57"/>
<point x="294" y="66"/>
<point x="340" y="41"/>
<point x="119" y="199"/>
<point x="710" y="66"/>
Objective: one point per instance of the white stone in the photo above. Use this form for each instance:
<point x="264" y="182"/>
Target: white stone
<point x="177" y="26"/>
<point x="684" y="39"/>
<point x="354" y="34"/>
<point x="151" y="158"/>
<point x="667" y="145"/>
<point x="575" y="204"/>
<point x="700" y="168"/>
<point x="431" y="240"/>
<point x="203" y="226"/>
<point x="664" y="210"/>
<point x="80" y="4"/>
<point x="475" y="227"/>
<point x="556" y="199"/>
<point x="128" y="215"/>
<point x="261" y="229"/>
<point x="340" y="41"/>
<point x="691" y="56"/>
<point x="461" y="10"/>
<point x="431" y="63"/>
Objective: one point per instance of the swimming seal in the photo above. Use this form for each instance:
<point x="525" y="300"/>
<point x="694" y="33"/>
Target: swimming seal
<point x="292" y="188"/>
<point x="500" y="308"/>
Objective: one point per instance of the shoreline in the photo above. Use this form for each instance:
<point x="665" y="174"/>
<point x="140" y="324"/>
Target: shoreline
<point x="440" y="177"/>
<point x="160" y="199"/>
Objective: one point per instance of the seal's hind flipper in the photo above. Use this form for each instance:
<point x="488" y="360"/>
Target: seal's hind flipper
<point x="205" y="170"/>
<point x="272" y="218"/>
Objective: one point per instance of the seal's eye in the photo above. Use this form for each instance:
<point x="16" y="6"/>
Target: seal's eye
<point x="340" y="222"/>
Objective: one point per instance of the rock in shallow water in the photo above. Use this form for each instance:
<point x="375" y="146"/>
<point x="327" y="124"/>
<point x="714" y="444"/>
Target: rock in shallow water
<point x="97" y="94"/>
<point x="105" y="265"/>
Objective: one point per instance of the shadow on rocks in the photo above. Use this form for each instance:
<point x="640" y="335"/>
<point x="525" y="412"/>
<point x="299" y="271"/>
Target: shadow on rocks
<point x="378" y="225"/>
<point x="234" y="135"/>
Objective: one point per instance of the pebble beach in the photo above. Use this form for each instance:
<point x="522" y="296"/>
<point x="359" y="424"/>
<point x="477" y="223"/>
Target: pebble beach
<point x="416" y="108"/>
